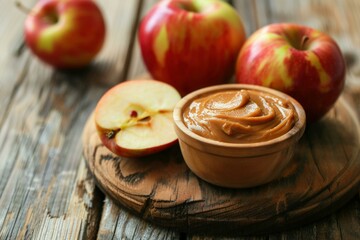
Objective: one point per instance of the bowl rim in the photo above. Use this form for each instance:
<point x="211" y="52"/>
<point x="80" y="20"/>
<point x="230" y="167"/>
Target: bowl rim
<point x="293" y="134"/>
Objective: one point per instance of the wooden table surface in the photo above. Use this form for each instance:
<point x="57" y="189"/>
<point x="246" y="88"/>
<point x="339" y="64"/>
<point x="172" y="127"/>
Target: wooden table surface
<point x="46" y="191"/>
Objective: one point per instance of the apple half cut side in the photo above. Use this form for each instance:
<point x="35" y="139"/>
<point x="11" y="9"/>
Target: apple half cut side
<point x="134" y="118"/>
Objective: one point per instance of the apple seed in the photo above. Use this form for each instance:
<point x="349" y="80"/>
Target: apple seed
<point x="133" y="114"/>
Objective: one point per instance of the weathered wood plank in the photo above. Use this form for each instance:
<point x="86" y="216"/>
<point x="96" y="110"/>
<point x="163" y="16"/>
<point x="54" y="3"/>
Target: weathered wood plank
<point x="137" y="67"/>
<point x="45" y="189"/>
<point x="340" y="20"/>
<point x="160" y="188"/>
<point x="248" y="10"/>
<point x="116" y="222"/>
<point x="263" y="13"/>
<point x="12" y="68"/>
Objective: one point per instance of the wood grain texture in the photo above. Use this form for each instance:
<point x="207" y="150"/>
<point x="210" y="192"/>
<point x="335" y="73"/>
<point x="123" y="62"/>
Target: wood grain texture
<point x="116" y="222"/>
<point x="161" y="189"/>
<point x="45" y="189"/>
<point x="256" y="14"/>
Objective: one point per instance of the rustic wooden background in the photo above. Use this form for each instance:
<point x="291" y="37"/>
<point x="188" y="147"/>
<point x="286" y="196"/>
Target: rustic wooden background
<point x="46" y="192"/>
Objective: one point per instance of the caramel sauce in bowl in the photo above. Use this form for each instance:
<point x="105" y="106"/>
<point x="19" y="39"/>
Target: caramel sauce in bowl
<point x="238" y="135"/>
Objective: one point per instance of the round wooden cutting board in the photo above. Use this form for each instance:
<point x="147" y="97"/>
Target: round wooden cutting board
<point x="324" y="175"/>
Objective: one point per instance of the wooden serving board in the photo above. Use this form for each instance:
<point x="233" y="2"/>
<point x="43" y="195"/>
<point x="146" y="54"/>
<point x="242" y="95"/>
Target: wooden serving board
<point x="160" y="188"/>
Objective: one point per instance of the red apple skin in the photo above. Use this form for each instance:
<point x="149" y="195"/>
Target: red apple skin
<point x="124" y="152"/>
<point x="150" y="96"/>
<point x="73" y="40"/>
<point x="196" y="49"/>
<point x="300" y="61"/>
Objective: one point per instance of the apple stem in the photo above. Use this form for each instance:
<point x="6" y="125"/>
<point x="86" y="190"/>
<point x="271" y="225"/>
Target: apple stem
<point x="304" y="40"/>
<point x="22" y="7"/>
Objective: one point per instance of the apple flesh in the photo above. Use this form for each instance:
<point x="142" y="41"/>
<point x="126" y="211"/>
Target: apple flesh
<point x="134" y="118"/>
<point x="298" y="60"/>
<point x="191" y="44"/>
<point x="65" y="34"/>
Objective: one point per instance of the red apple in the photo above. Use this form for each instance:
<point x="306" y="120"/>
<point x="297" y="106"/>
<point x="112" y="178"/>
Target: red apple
<point x="134" y="118"/>
<point x="298" y="60"/>
<point x="65" y="33"/>
<point x="191" y="44"/>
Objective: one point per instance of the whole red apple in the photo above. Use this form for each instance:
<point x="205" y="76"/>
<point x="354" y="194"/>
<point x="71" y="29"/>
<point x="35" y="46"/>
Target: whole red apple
<point x="298" y="60"/>
<point x="191" y="44"/>
<point x="65" y="33"/>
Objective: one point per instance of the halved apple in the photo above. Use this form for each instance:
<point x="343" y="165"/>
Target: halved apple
<point x="134" y="118"/>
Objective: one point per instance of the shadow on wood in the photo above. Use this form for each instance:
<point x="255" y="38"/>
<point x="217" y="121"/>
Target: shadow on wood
<point x="323" y="176"/>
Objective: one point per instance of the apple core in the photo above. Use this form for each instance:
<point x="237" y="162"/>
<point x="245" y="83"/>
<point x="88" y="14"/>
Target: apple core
<point x="134" y="118"/>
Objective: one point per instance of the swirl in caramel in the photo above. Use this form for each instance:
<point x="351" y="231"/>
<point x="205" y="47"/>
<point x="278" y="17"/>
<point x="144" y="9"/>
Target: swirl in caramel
<point x="240" y="116"/>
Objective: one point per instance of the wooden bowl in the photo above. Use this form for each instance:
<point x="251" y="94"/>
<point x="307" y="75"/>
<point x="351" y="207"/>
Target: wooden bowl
<point x="237" y="165"/>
